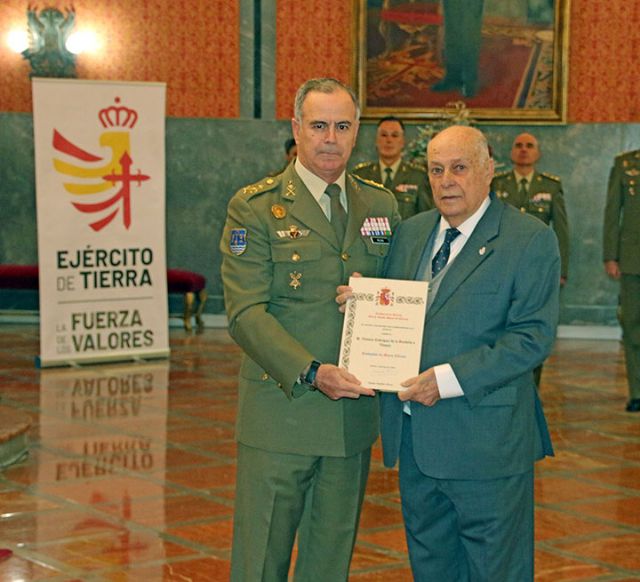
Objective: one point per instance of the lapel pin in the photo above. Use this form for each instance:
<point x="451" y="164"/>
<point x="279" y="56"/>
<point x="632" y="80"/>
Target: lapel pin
<point x="482" y="251"/>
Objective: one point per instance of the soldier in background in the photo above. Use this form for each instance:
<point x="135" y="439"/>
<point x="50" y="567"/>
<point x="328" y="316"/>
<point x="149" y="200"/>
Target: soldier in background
<point x="536" y="193"/>
<point x="409" y="182"/>
<point x="621" y="254"/>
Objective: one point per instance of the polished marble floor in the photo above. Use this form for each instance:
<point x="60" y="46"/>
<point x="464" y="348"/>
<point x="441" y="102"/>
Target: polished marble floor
<point x="131" y="471"/>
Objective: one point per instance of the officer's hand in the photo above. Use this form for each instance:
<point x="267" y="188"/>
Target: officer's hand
<point x="422" y="388"/>
<point x="338" y="383"/>
<point x="612" y="269"/>
<point x="344" y="292"/>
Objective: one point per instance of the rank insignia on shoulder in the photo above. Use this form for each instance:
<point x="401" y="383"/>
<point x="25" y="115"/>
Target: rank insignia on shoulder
<point x="238" y="241"/>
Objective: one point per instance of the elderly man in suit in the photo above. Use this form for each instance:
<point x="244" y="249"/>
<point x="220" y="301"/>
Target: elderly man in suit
<point x="622" y="259"/>
<point x="305" y="427"/>
<point x="408" y="181"/>
<point x="469" y="427"/>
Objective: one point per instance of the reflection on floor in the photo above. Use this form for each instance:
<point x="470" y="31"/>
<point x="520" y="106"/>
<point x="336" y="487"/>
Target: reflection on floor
<point x="131" y="470"/>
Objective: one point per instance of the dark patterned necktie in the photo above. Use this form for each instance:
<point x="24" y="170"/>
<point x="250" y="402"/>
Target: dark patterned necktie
<point x="388" y="182"/>
<point x="442" y="256"/>
<point x="338" y="215"/>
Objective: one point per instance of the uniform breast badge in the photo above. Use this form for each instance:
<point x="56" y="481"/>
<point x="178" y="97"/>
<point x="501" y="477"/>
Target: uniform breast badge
<point x="295" y="279"/>
<point x="377" y="228"/>
<point x="293" y="232"/>
<point x="278" y="211"/>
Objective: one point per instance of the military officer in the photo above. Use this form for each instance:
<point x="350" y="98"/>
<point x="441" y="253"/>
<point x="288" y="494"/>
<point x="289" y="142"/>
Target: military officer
<point x="409" y="182"/>
<point x="305" y="426"/>
<point x="536" y="193"/>
<point x="621" y="253"/>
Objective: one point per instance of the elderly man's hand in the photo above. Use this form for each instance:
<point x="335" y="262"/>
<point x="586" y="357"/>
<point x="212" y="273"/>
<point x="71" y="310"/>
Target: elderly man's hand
<point x="422" y="388"/>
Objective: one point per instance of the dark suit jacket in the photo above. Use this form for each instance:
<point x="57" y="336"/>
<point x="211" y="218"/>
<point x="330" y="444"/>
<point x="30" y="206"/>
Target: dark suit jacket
<point x="494" y="320"/>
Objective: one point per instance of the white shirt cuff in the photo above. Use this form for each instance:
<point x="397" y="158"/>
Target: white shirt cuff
<point x="448" y="384"/>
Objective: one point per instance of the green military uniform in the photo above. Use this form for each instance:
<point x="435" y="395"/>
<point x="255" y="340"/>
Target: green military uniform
<point x="622" y="244"/>
<point x="544" y="199"/>
<point x="281" y="265"/>
<point x="410" y="185"/>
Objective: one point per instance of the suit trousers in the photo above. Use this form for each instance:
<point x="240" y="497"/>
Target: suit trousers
<point x="630" y="305"/>
<point x="466" y="530"/>
<point x="279" y="494"/>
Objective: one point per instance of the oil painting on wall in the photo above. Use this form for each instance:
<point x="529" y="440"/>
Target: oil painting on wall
<point x="505" y="59"/>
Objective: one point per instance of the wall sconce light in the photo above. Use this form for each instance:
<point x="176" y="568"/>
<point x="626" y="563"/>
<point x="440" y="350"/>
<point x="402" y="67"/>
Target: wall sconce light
<point x="49" y="33"/>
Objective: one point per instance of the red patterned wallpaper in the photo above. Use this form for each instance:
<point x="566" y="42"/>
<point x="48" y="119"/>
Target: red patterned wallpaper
<point x="192" y="45"/>
<point x="604" y="64"/>
<point x="314" y="39"/>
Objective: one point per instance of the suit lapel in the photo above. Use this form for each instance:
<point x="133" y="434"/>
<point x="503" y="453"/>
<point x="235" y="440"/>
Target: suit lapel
<point x="478" y="249"/>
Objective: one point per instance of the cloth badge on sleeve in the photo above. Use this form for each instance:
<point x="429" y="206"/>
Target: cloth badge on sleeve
<point x="238" y="241"/>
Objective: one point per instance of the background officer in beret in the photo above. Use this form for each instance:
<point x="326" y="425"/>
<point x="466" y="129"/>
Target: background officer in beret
<point x="305" y="427"/>
<point x="536" y="193"/>
<point x="409" y="182"/>
<point x="621" y="253"/>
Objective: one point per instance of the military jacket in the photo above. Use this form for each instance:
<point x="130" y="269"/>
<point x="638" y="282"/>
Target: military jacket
<point x="410" y="186"/>
<point x="544" y="200"/>
<point x="281" y="264"/>
<point x="622" y="214"/>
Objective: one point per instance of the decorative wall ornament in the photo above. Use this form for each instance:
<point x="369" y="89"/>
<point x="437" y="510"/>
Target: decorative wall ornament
<point x="48" y="33"/>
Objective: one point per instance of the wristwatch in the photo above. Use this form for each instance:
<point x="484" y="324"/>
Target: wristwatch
<point x="310" y="376"/>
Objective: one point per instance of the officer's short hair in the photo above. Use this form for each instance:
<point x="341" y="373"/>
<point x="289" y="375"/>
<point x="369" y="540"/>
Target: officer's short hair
<point x="326" y="85"/>
<point x="391" y="118"/>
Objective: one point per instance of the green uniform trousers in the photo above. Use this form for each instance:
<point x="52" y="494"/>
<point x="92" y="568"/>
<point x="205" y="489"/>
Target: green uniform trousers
<point x="317" y="497"/>
<point x="630" y="305"/>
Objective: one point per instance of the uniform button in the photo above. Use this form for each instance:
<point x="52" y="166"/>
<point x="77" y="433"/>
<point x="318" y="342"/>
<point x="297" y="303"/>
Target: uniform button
<point x="265" y="376"/>
<point x="279" y="385"/>
<point x="295" y="257"/>
<point x="523" y="209"/>
<point x="344" y="256"/>
<point x="540" y="209"/>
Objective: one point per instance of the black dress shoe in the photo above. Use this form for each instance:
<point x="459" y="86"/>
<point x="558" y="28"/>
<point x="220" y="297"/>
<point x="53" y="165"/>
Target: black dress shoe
<point x="446" y="85"/>
<point x="633" y="405"/>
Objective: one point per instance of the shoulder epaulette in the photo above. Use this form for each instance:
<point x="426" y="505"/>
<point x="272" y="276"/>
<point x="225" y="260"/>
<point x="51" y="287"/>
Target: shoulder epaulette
<point x="371" y="183"/>
<point x="264" y="185"/>
<point x="550" y="176"/>
<point x="630" y="153"/>
<point x="362" y="165"/>
<point x="415" y="165"/>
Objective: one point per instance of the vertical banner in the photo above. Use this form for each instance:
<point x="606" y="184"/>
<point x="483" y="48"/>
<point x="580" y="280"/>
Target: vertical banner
<point x="100" y="194"/>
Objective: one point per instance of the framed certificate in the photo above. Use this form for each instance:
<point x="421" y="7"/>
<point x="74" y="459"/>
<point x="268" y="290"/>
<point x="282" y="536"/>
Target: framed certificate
<point x="382" y="331"/>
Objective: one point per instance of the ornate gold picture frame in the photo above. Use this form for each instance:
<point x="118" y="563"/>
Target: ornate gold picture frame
<point x="506" y="60"/>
